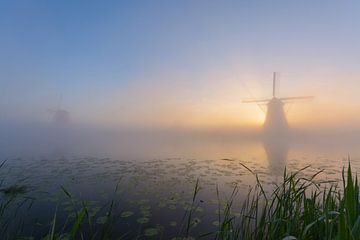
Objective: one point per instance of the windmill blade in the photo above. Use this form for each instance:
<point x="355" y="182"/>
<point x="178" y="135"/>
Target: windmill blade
<point x="256" y="101"/>
<point x="297" y="98"/>
<point x="274" y="84"/>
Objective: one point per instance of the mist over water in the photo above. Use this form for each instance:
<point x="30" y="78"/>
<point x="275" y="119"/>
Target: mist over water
<point x="53" y="140"/>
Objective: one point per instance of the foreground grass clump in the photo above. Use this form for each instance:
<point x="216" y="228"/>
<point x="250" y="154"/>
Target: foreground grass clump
<point x="297" y="209"/>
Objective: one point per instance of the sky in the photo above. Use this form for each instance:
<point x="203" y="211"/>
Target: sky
<point x="185" y="64"/>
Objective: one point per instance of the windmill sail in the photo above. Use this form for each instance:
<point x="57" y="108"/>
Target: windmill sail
<point x="297" y="98"/>
<point x="256" y="100"/>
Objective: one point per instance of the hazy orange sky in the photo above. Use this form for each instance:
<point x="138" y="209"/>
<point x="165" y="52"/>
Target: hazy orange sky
<point x="185" y="64"/>
<point x="218" y="103"/>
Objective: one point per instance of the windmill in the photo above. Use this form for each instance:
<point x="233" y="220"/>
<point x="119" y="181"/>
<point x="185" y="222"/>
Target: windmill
<point x="275" y="121"/>
<point x="59" y="115"/>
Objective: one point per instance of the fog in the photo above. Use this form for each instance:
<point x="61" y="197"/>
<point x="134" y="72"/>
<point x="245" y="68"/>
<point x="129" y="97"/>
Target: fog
<point x="158" y="118"/>
<point x="51" y="140"/>
<point x="143" y="77"/>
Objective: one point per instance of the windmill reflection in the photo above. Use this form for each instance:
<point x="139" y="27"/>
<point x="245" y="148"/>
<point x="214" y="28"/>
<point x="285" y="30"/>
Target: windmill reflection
<point x="276" y="149"/>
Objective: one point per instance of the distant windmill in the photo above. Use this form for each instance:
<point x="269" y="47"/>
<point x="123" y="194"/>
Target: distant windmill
<point x="275" y="121"/>
<point x="59" y="115"/>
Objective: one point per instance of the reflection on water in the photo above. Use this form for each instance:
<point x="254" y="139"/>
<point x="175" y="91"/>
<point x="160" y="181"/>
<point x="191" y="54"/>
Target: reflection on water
<point x="277" y="153"/>
<point x="272" y="152"/>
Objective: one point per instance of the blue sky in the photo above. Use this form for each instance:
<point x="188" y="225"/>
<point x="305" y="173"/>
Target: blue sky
<point x="101" y="55"/>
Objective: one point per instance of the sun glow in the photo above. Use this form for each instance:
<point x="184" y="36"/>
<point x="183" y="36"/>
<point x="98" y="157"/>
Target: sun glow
<point x="211" y="103"/>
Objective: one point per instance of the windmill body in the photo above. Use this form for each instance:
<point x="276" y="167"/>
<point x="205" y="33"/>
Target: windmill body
<point x="275" y="120"/>
<point x="60" y="116"/>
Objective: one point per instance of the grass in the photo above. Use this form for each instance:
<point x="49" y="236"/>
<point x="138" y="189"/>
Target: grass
<point x="297" y="208"/>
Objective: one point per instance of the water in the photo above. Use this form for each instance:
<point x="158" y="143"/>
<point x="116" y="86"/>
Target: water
<point x="151" y="175"/>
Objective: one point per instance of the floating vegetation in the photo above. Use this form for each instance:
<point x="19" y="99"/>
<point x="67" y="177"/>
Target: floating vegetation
<point x="102" y="220"/>
<point x="143" y="220"/>
<point x="195" y="221"/>
<point x="150" y="232"/>
<point x="126" y="214"/>
<point x="14" y="190"/>
<point x="216" y="223"/>
<point x="160" y="194"/>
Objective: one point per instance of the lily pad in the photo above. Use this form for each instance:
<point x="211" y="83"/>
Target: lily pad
<point x="102" y="220"/>
<point x="145" y="207"/>
<point x="143" y="220"/>
<point x="146" y="213"/>
<point x="172" y="207"/>
<point x="149" y="232"/>
<point x="216" y="223"/>
<point x="126" y="214"/>
<point x="162" y="204"/>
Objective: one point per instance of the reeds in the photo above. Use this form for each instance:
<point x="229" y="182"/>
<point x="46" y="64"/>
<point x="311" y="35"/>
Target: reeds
<point x="297" y="209"/>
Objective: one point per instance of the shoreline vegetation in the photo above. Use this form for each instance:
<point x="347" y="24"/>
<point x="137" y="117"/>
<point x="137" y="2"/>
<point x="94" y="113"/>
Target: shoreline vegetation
<point x="296" y="208"/>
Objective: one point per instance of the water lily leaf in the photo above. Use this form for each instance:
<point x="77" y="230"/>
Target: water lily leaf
<point x="216" y="223"/>
<point x="126" y="214"/>
<point x="102" y="220"/>
<point x="143" y="220"/>
<point x="149" y="232"/>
